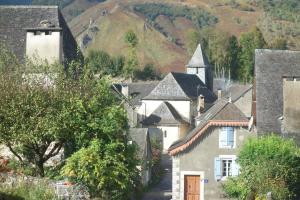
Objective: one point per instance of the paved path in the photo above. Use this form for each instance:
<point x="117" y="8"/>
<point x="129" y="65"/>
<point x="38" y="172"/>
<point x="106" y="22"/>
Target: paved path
<point x="163" y="190"/>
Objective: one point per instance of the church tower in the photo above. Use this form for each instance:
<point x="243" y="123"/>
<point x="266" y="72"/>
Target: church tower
<point x="199" y="65"/>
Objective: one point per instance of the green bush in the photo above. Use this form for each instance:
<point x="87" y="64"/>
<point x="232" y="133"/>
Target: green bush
<point x="267" y="164"/>
<point x="27" y="192"/>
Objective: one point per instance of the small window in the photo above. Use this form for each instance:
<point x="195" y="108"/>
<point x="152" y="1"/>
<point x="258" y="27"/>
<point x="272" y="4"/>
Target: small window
<point x="165" y="134"/>
<point x="225" y="167"/>
<point x="226" y="137"/>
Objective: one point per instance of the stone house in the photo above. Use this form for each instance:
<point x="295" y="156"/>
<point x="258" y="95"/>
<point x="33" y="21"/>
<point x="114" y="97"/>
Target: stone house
<point x="207" y="155"/>
<point x="39" y="33"/>
<point x="276" y="101"/>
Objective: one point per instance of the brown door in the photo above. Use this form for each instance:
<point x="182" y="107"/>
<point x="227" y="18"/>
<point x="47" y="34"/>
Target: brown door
<point x="191" y="187"/>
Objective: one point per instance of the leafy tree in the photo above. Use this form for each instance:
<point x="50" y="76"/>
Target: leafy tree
<point x="131" y="38"/>
<point x="148" y="73"/>
<point x="132" y="61"/>
<point x="233" y="50"/>
<point x="31" y="117"/>
<point x="267" y="164"/>
<point x="248" y="43"/>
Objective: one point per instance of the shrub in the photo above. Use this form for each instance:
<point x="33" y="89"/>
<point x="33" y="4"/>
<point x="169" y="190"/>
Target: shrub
<point x="27" y="191"/>
<point x="268" y="164"/>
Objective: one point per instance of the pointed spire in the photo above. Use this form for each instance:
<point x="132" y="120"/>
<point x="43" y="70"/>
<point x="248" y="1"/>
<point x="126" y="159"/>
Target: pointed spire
<point x="198" y="59"/>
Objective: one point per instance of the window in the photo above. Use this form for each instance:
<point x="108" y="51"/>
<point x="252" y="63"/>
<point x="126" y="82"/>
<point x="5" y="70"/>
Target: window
<point x="225" y="166"/>
<point x="48" y="33"/>
<point x="227" y="137"/>
<point x="165" y="133"/>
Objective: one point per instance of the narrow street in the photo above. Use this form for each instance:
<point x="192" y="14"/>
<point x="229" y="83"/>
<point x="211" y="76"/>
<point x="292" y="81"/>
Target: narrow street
<point x="163" y="190"/>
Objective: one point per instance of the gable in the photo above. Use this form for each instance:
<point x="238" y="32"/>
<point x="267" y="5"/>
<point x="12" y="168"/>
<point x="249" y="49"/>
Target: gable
<point x="167" y="89"/>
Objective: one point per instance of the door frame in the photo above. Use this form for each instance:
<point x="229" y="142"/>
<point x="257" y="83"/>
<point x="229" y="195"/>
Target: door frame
<point x="193" y="173"/>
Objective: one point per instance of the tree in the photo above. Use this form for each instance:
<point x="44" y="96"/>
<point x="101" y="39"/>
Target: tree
<point x="148" y="73"/>
<point x="99" y="62"/>
<point x="131" y="38"/>
<point x="132" y="60"/>
<point x="233" y="50"/>
<point x="248" y="43"/>
<point x="267" y="164"/>
<point x="31" y="117"/>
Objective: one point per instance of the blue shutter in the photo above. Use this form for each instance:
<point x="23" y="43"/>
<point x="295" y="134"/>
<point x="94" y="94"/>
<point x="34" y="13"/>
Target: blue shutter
<point x="235" y="168"/>
<point x="218" y="170"/>
<point x="230" y="136"/>
<point x="223" y="137"/>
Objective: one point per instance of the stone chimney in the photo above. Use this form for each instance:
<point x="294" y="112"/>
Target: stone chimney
<point x="201" y="104"/>
<point x="219" y="93"/>
<point x="125" y="90"/>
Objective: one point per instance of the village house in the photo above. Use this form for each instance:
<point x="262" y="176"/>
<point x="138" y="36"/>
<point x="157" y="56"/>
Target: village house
<point x="207" y="155"/>
<point x="38" y="33"/>
<point x="276" y="101"/>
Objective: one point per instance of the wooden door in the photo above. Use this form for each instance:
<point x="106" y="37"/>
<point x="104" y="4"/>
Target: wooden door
<point x="191" y="187"/>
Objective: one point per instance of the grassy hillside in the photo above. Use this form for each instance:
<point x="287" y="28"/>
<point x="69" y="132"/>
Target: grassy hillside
<point x="164" y="35"/>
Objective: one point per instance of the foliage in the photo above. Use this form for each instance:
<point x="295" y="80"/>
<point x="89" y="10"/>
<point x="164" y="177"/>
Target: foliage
<point x="199" y="17"/>
<point x="132" y="61"/>
<point x="148" y="73"/>
<point x="105" y="168"/>
<point x="267" y="164"/>
<point x="280" y="10"/>
<point x="248" y="43"/>
<point x="221" y="50"/>
<point x="131" y="39"/>
<point x="101" y="62"/>
<point x="25" y="190"/>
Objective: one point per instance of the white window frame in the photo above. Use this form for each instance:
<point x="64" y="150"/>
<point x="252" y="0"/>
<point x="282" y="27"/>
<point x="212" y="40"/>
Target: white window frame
<point x="221" y="146"/>
<point x="227" y="157"/>
<point x="193" y="173"/>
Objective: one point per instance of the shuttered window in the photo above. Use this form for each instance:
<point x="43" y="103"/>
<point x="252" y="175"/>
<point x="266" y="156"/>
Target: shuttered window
<point x="225" y="167"/>
<point x="226" y="137"/>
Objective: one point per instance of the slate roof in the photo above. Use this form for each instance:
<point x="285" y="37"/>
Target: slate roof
<point x="221" y="111"/>
<point x="16" y="20"/>
<point x="140" y="89"/>
<point x="180" y="86"/>
<point x="165" y="114"/>
<point x="270" y="68"/>
<point x="140" y="137"/>
<point x="236" y="90"/>
<point x="198" y="59"/>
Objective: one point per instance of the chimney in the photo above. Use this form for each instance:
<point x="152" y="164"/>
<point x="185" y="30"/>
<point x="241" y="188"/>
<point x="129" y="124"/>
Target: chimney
<point x="201" y="103"/>
<point x="219" y="93"/>
<point x="125" y="91"/>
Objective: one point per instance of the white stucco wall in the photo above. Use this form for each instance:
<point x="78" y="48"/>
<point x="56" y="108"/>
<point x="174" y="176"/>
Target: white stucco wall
<point x="170" y="135"/>
<point x="44" y="47"/>
<point x="183" y="107"/>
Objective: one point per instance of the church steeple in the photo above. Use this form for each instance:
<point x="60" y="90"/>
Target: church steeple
<point x="198" y="65"/>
